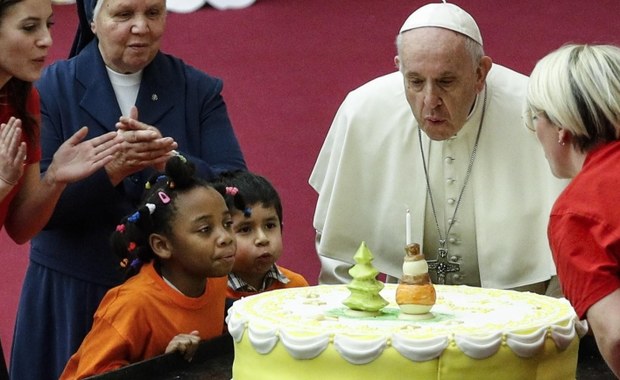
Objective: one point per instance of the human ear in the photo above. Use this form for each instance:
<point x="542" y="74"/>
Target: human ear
<point x="160" y="245"/>
<point x="397" y="62"/>
<point x="564" y="136"/>
<point x="484" y="66"/>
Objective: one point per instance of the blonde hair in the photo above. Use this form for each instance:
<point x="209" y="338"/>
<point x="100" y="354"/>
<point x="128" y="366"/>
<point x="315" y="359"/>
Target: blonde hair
<point x="577" y="87"/>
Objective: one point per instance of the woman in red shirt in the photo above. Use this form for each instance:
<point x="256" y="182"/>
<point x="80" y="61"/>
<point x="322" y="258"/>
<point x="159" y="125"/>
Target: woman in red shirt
<point x="574" y="107"/>
<point x="26" y="199"/>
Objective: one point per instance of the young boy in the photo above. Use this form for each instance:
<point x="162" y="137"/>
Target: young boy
<point x="257" y="226"/>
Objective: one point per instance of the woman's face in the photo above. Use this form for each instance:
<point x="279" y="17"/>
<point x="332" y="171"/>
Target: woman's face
<point x="25" y="40"/>
<point x="129" y="32"/>
<point x="556" y="151"/>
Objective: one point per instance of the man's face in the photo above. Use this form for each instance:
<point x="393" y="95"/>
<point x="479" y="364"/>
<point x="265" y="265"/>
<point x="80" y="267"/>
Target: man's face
<point x="441" y="79"/>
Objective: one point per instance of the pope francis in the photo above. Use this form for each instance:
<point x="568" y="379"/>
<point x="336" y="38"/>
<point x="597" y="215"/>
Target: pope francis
<point x="439" y="146"/>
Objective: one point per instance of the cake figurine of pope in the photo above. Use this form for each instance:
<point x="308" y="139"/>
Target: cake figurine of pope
<point x="365" y="299"/>
<point x="415" y="294"/>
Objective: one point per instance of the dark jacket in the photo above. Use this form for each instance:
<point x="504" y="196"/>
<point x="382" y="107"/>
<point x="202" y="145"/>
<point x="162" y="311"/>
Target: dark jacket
<point x="182" y="102"/>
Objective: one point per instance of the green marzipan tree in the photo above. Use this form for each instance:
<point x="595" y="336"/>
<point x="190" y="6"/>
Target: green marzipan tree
<point x="364" y="287"/>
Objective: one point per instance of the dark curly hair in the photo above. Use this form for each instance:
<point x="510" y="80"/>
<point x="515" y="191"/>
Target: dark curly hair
<point x="253" y="189"/>
<point x="130" y="240"/>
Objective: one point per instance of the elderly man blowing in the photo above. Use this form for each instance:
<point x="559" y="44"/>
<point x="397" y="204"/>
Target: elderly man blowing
<point x="444" y="138"/>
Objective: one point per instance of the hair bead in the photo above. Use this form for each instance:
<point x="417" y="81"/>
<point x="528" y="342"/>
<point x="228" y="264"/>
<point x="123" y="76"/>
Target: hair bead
<point x="136" y="264"/>
<point x="165" y="199"/>
<point x="134" y="217"/>
<point x="151" y="208"/>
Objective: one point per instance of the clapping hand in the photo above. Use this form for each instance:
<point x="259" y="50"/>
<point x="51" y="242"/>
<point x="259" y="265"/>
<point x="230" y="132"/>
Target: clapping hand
<point x="76" y="159"/>
<point x="12" y="152"/>
<point x="186" y="344"/>
<point x="143" y="146"/>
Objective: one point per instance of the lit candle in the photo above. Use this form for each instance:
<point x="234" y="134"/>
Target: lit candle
<point x="408" y="228"/>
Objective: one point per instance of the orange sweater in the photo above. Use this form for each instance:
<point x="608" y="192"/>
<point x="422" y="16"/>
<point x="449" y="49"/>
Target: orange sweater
<point x="136" y="321"/>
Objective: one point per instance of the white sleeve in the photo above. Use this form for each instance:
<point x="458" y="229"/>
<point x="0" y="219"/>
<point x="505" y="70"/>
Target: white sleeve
<point x="334" y="271"/>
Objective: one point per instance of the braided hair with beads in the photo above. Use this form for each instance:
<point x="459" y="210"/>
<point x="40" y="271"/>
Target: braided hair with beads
<point x="130" y="240"/>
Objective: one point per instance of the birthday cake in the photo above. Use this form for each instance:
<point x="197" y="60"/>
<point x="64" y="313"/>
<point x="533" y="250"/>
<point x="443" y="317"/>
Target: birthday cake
<point x="474" y="333"/>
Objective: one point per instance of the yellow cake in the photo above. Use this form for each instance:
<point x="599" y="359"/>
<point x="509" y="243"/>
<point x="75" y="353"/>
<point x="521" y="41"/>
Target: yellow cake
<point x="474" y="333"/>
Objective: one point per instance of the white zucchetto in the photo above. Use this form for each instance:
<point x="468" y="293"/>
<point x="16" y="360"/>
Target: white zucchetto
<point x="443" y="15"/>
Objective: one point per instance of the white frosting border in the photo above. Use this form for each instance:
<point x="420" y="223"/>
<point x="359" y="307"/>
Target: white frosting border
<point x="357" y="350"/>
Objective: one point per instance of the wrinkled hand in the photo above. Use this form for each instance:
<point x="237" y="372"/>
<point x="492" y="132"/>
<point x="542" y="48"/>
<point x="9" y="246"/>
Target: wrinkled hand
<point x="76" y="159"/>
<point x="143" y="146"/>
<point x="186" y="344"/>
<point x="12" y="151"/>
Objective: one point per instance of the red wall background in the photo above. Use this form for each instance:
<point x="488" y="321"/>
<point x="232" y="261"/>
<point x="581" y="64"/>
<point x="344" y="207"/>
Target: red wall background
<point x="287" y="65"/>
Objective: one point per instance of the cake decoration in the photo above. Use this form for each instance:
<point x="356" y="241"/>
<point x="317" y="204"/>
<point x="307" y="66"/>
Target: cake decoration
<point x="415" y="294"/>
<point x="365" y="288"/>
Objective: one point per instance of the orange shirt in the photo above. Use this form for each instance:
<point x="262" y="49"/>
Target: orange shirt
<point x="136" y="321"/>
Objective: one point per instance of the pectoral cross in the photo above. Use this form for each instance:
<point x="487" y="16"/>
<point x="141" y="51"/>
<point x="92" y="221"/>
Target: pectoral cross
<point x="442" y="265"/>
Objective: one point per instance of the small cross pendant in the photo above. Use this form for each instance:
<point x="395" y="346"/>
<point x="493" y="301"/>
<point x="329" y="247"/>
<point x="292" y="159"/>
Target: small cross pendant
<point x="442" y="266"/>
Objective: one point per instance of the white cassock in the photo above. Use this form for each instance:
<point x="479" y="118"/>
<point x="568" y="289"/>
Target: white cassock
<point x="369" y="171"/>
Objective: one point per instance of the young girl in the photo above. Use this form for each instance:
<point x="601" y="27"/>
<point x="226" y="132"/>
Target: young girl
<point x="258" y="230"/>
<point x="26" y="199"/>
<point x="180" y="244"/>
